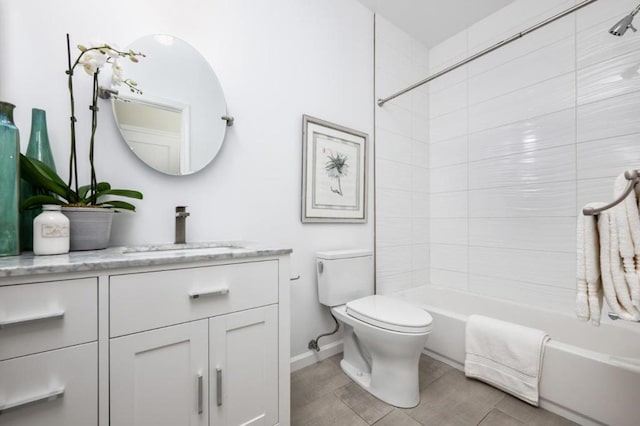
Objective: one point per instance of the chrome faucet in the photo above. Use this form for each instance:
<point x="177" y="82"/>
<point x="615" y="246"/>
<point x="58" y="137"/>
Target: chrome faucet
<point x="181" y="224"/>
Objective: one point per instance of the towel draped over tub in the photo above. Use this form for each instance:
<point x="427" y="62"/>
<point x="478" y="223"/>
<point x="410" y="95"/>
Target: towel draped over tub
<point x="506" y="355"/>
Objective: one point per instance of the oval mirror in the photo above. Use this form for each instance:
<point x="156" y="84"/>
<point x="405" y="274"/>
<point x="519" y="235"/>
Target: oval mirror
<point x="177" y="124"/>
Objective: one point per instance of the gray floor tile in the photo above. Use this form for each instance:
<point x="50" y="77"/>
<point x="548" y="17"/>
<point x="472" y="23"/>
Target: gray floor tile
<point x="517" y="408"/>
<point x="367" y="406"/>
<point x="336" y="358"/>
<point x="454" y="399"/>
<point x="498" y="418"/>
<point x="397" y="418"/>
<point x="322" y="395"/>
<point x="431" y="370"/>
<point x="529" y="414"/>
<point x="469" y="414"/>
<point x="547" y="418"/>
<point x="315" y="381"/>
<point x="325" y="411"/>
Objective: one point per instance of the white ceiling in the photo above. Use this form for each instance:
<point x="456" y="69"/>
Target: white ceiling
<point x="433" y="21"/>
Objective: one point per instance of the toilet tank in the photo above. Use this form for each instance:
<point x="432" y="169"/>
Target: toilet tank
<point x="344" y="275"/>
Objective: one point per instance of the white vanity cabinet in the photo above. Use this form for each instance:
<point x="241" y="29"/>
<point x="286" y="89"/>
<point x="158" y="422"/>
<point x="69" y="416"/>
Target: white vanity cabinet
<point x="54" y="388"/>
<point x="49" y="354"/>
<point x="158" y="377"/>
<point x="243" y="367"/>
<point x="195" y="346"/>
<point x="201" y="342"/>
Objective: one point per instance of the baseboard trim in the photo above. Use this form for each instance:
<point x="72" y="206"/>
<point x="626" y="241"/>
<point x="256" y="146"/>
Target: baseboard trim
<point x="311" y="357"/>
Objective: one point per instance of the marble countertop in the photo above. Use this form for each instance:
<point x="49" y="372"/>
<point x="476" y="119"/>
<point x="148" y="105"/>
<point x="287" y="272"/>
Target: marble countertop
<point x="125" y="257"/>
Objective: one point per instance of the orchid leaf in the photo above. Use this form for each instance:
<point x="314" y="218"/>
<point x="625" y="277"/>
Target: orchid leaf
<point x="121" y="193"/>
<point x="39" y="200"/>
<point x="83" y="190"/>
<point x="42" y="176"/>
<point x="44" y="170"/>
<point x="116" y="204"/>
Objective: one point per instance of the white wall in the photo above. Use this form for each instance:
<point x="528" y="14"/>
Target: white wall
<point x="402" y="151"/>
<point x="521" y="139"/>
<point x="276" y="60"/>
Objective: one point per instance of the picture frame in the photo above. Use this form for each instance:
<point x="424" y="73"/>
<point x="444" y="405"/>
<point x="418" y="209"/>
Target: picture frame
<point x="334" y="172"/>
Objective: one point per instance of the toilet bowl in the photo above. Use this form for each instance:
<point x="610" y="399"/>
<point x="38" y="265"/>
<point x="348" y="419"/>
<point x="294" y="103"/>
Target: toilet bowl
<point x="383" y="336"/>
<point x="381" y="359"/>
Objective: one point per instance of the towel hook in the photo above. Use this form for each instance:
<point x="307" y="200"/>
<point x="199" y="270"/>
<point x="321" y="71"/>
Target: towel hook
<point x="615" y="316"/>
<point x="633" y="176"/>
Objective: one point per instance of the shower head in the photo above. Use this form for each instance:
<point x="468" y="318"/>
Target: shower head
<point x="624" y="24"/>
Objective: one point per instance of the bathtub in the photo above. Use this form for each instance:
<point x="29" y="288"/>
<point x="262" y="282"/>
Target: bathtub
<point x="590" y="375"/>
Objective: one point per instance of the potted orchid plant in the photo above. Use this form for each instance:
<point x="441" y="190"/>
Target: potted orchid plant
<point x="88" y="199"/>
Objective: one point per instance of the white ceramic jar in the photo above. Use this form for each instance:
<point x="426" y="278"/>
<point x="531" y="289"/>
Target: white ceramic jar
<point x="51" y="231"/>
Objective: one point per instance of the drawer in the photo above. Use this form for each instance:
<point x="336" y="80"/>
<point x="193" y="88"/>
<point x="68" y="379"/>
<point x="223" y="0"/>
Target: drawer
<point x="56" y="388"/>
<point x="157" y="299"/>
<point x="44" y="316"/>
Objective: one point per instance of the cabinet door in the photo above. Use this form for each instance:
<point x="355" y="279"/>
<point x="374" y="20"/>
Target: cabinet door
<point x="243" y="368"/>
<point x="55" y="388"/>
<point x="159" y="377"/>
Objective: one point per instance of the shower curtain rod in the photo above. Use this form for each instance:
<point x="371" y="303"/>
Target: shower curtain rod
<point x="514" y="37"/>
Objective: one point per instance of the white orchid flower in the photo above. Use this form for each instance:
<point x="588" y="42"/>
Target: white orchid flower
<point x="117" y="76"/>
<point x="92" y="60"/>
<point x="112" y="51"/>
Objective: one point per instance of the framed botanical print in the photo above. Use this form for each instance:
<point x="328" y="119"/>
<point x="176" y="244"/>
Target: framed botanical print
<point x="334" y="172"/>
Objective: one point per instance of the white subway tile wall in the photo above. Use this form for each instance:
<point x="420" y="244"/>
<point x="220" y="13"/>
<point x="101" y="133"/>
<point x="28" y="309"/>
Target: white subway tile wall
<point x="402" y="162"/>
<point x="521" y="139"/>
<point x="514" y="144"/>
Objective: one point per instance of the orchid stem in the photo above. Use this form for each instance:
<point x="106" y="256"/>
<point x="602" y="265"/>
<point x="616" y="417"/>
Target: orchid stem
<point x="73" y="161"/>
<point x="94" y="126"/>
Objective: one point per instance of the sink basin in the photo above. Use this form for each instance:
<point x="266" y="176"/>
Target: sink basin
<point x="180" y="247"/>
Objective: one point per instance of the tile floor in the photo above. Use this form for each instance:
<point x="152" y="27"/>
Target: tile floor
<point x="322" y="395"/>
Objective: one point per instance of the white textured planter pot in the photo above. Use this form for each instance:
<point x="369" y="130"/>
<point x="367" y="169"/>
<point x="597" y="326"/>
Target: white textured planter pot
<point x="89" y="227"/>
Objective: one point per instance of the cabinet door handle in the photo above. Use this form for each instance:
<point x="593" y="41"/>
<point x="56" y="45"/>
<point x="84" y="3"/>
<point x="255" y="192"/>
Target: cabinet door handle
<point x="49" y="396"/>
<point x="34" y="318"/>
<point x="215" y="292"/>
<point x="200" y="394"/>
<point x="219" y="386"/>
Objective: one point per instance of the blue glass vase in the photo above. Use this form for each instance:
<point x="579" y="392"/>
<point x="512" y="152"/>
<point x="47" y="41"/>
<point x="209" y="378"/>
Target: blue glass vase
<point x="9" y="182"/>
<point x="40" y="149"/>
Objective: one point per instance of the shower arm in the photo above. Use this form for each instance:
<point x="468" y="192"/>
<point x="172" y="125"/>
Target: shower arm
<point x="496" y="46"/>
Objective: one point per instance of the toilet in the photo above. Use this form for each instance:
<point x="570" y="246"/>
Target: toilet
<point x="383" y="336"/>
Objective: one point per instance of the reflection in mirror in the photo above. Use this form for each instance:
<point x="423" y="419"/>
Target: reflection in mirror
<point x="176" y="124"/>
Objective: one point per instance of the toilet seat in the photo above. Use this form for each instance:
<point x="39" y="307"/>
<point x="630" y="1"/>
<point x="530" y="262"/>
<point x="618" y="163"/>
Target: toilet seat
<point x="391" y="314"/>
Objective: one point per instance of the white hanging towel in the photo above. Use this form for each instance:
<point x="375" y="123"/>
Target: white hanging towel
<point x="616" y="290"/>
<point x="628" y="222"/>
<point x="505" y="355"/>
<point x="588" y="283"/>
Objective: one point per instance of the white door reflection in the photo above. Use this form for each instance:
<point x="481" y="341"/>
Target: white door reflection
<point x="157" y="130"/>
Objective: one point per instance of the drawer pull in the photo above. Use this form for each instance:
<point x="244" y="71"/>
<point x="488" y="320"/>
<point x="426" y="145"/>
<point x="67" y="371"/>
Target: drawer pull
<point x="50" y="396"/>
<point x="216" y="292"/>
<point x="28" y="320"/>
<point x="219" y="386"/>
<point x="200" y="394"/>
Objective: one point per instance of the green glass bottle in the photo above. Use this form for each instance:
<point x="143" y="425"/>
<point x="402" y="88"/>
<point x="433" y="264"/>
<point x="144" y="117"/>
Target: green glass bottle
<point x="9" y="182"/>
<point x="40" y="149"/>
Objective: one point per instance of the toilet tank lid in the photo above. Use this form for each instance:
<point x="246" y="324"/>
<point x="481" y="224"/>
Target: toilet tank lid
<point x="343" y="254"/>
